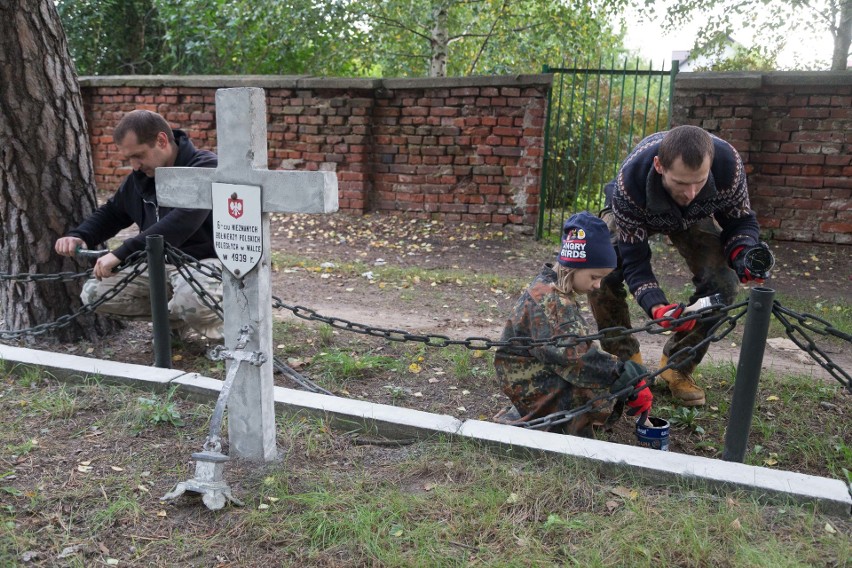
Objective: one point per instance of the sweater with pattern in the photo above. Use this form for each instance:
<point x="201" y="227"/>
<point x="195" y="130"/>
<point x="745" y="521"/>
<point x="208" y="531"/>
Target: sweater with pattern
<point x="643" y="207"/>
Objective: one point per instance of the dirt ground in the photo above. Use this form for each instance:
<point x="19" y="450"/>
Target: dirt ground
<point x="469" y="277"/>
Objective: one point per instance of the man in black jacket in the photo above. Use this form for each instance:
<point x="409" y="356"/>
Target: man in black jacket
<point x="146" y="140"/>
<point x="691" y="186"/>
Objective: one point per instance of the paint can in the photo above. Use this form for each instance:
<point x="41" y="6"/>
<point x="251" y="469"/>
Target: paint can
<point x="655" y="436"/>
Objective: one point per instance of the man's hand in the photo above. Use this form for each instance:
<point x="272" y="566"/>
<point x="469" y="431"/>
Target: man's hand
<point x="67" y="246"/>
<point x="752" y="263"/>
<point x="671" y="311"/>
<point x="628" y="372"/>
<point x="104" y="265"/>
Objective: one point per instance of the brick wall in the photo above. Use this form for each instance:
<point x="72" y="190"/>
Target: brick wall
<point x="794" y="132"/>
<point x="456" y="149"/>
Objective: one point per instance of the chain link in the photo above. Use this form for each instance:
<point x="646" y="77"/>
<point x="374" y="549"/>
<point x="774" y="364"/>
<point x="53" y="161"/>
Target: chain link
<point x="797" y="335"/>
<point x="136" y="262"/>
<point x="57" y="277"/>
<point x="184" y="261"/>
<point x="483" y="343"/>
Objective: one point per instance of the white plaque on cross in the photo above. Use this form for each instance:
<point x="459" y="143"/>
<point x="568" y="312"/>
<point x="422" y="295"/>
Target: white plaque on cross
<point x="242" y="150"/>
<point x="237" y="226"/>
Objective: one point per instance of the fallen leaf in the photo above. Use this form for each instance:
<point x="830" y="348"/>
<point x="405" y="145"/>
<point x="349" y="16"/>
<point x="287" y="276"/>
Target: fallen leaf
<point x="624" y="492"/>
<point x="415" y="368"/>
<point x="142" y="488"/>
<point x="263" y="506"/>
<point x="84" y="468"/>
<point x="612" y="505"/>
<point x="429" y="486"/>
<point x="177" y="357"/>
<point x="830" y="529"/>
<point x="161" y="513"/>
<point x="772" y="397"/>
<point x="512" y="498"/>
<point x="735" y="524"/>
<point x="116" y="468"/>
<point x="397" y="533"/>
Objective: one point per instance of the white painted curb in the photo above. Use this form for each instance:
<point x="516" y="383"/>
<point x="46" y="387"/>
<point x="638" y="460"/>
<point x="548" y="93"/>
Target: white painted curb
<point x="831" y="496"/>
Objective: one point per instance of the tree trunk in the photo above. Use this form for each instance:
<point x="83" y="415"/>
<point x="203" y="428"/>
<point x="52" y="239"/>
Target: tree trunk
<point x="440" y="40"/>
<point x="46" y="177"/>
<point x="842" y="40"/>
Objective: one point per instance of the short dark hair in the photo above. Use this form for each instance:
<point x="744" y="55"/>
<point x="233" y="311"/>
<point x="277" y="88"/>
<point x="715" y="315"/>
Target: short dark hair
<point x="689" y="143"/>
<point x="145" y="124"/>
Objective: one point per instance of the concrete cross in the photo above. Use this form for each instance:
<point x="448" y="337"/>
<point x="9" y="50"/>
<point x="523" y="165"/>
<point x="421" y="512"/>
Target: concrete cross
<point x="241" y="134"/>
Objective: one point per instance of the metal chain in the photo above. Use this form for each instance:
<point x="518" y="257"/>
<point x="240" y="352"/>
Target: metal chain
<point x="57" y="277"/>
<point x="181" y="261"/>
<point x="806" y="343"/>
<point x="136" y="262"/>
<point x="483" y="343"/>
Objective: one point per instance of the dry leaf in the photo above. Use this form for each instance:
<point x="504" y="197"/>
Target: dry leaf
<point x="830" y="529"/>
<point x="116" y="468"/>
<point x="512" y="498"/>
<point x="772" y="397"/>
<point x="161" y="513"/>
<point x="612" y="505"/>
<point x="415" y="368"/>
<point x="735" y="524"/>
<point x="624" y="492"/>
<point x="263" y="506"/>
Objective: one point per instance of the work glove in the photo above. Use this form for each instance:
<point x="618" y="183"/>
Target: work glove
<point x="673" y="311"/>
<point x="626" y="375"/>
<point x="640" y="399"/>
<point x="752" y="263"/>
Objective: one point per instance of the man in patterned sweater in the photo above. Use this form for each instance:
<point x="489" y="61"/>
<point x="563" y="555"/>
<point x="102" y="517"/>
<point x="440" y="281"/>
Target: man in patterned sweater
<point x="691" y="186"/>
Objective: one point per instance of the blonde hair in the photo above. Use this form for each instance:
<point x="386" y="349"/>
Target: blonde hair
<point x="564" y="279"/>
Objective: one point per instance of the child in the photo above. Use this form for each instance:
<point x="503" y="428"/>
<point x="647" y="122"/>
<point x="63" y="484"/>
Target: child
<point x="541" y="380"/>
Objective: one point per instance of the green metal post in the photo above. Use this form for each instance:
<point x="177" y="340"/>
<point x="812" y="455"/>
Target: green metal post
<point x="544" y="160"/>
<point x="673" y="75"/>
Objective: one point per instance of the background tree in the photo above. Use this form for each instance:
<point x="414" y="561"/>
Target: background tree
<point x="46" y="178"/>
<point x="467" y="37"/>
<point x="770" y="20"/>
<point x="337" y="37"/>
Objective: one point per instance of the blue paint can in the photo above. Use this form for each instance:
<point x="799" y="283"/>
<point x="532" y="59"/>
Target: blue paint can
<point x="655" y="436"/>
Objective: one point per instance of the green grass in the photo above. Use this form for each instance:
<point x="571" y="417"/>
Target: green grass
<point x="339" y="366"/>
<point x="333" y="502"/>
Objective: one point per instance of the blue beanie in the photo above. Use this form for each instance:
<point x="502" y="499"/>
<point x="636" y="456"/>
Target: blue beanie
<point x="585" y="243"/>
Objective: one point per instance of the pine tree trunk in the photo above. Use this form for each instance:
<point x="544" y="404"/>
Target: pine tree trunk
<point x="46" y="177"/>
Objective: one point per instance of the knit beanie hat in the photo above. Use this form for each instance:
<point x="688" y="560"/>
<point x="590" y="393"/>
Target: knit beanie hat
<point x="585" y="243"/>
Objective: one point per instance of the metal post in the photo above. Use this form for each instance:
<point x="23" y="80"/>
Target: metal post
<point x="159" y="301"/>
<point x="748" y="373"/>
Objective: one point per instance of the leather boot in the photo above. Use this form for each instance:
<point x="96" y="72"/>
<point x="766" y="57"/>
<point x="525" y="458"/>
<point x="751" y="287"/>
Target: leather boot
<point x="637" y="358"/>
<point x="682" y="385"/>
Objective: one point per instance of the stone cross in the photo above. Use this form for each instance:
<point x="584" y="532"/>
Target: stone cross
<point x="241" y="135"/>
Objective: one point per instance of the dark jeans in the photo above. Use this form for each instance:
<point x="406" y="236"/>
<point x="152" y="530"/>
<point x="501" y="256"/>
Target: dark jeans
<point x="701" y="248"/>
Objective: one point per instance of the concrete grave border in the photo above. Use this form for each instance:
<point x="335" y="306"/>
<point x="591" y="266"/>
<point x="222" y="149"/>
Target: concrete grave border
<point x="830" y="496"/>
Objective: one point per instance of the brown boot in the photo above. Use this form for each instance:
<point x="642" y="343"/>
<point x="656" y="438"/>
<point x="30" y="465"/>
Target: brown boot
<point x="682" y="386"/>
<point x="637" y="358"/>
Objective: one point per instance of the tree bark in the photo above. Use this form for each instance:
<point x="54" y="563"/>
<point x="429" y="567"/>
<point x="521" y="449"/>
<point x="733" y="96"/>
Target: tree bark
<point x="440" y="41"/>
<point x="46" y="177"/>
<point x="842" y="40"/>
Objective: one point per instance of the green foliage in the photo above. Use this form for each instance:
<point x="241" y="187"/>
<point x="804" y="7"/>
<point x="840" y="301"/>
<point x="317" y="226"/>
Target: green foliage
<point x="352" y="38"/>
<point x="486" y="37"/>
<point x="154" y="410"/>
<point x="121" y="37"/>
<point x="686" y="417"/>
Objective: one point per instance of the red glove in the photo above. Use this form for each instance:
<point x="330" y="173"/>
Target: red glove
<point x="738" y="264"/>
<point x="672" y="311"/>
<point x="640" y="401"/>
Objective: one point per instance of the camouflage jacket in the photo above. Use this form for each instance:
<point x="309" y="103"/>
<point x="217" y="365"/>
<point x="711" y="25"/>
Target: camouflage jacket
<point x="543" y="312"/>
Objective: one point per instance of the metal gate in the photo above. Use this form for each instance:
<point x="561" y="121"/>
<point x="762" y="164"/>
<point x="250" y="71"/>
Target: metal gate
<point x="594" y="118"/>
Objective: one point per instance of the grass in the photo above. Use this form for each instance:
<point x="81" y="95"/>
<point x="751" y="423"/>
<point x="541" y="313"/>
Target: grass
<point x="332" y="501"/>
